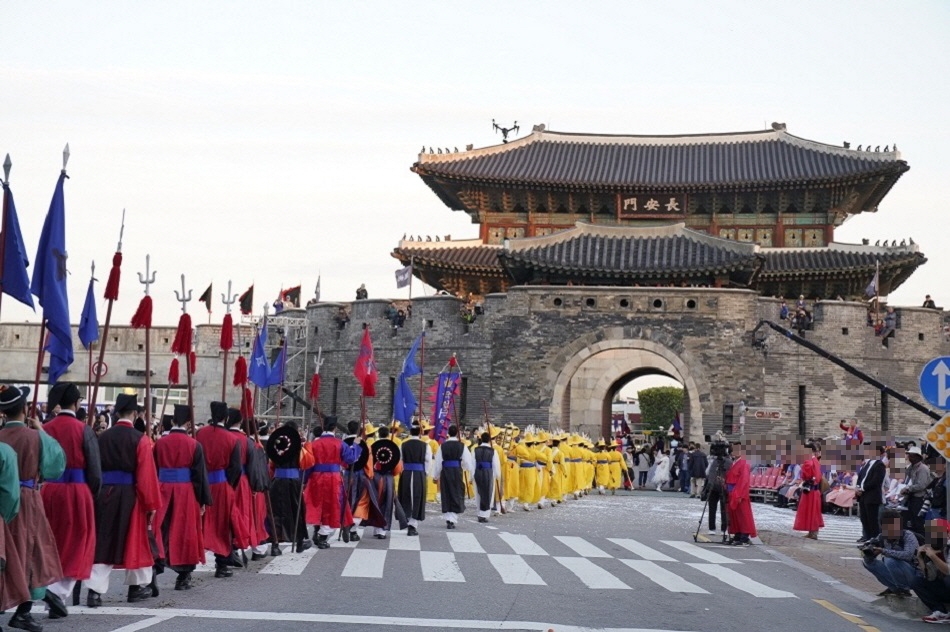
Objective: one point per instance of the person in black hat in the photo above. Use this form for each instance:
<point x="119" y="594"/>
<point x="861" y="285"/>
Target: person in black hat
<point x="183" y="479"/>
<point x="242" y="518"/>
<point x="258" y="478"/>
<point x="386" y="466"/>
<point x="32" y="562"/>
<point x="284" y="449"/>
<point x="416" y="463"/>
<point x="69" y="499"/>
<point x="125" y="507"/>
<point x="223" y="460"/>
<point x="326" y="505"/>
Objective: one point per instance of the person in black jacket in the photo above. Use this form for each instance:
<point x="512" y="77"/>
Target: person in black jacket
<point x="697" y="465"/>
<point x="870" y="497"/>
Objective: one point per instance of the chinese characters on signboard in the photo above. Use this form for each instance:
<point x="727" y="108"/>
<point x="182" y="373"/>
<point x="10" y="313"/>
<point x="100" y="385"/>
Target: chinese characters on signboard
<point x="656" y="205"/>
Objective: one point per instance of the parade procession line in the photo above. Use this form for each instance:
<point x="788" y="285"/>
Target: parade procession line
<point x="165" y="614"/>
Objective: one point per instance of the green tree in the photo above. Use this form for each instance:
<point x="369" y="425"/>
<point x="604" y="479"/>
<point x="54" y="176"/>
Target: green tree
<point x="659" y="405"/>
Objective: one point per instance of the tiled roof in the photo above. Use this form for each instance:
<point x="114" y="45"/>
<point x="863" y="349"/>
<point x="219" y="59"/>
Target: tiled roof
<point x="547" y="158"/>
<point x="839" y="258"/>
<point x="469" y="255"/>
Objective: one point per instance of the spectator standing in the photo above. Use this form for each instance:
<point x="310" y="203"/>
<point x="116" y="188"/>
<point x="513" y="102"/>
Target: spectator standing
<point x="783" y="310"/>
<point x="683" y="465"/>
<point x="870" y="493"/>
<point x="890" y="325"/>
<point x="361" y="293"/>
<point x="929" y="302"/>
<point x="916" y="481"/>
<point x="697" y="471"/>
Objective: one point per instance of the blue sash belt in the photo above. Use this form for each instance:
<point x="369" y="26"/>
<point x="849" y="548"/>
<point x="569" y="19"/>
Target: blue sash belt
<point x="414" y="467"/>
<point x="174" y="475"/>
<point x="512" y="458"/>
<point x="117" y="477"/>
<point x="527" y="464"/>
<point x="483" y="465"/>
<point x="286" y="472"/>
<point x="30" y="483"/>
<point x="603" y="462"/>
<point x="451" y="464"/>
<point x="71" y="475"/>
<point x="216" y="476"/>
<point x="326" y="468"/>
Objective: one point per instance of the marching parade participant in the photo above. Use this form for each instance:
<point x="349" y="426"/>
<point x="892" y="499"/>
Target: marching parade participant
<point x="487" y="474"/>
<point x="452" y="460"/>
<point x="223" y="462"/>
<point x="183" y="481"/>
<point x="69" y="499"/>
<point x="357" y="481"/>
<point x="327" y="506"/>
<point x="528" y="472"/>
<point x="125" y="508"/>
<point x="242" y="512"/>
<point x="386" y="466"/>
<point x="511" y="477"/>
<point x="289" y="461"/>
<point x="416" y="464"/>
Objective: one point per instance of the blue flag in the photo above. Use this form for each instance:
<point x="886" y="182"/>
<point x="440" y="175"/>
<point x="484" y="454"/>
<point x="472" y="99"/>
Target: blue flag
<point x="15" y="281"/>
<point x="49" y="284"/>
<point x="404" y="401"/>
<point x="409" y="366"/>
<point x="259" y="370"/>
<point x="89" y="322"/>
<point x="275" y="376"/>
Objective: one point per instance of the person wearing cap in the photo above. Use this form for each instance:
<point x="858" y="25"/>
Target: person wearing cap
<point x="69" y="499"/>
<point x="453" y="458"/>
<point x="125" y="508"/>
<point x="487" y="474"/>
<point x="327" y="506"/>
<point x="916" y="480"/>
<point x="183" y="481"/>
<point x="416" y="463"/>
<point x="602" y="468"/>
<point x="808" y="515"/>
<point x="32" y="561"/>
<point x="223" y="461"/>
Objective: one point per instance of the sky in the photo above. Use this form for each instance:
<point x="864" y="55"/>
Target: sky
<point x="271" y="143"/>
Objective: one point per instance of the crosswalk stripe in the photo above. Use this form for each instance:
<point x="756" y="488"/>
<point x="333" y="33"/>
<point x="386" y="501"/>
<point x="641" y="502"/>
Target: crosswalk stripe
<point x="514" y="570"/>
<point x="699" y="552"/>
<point x="365" y="563"/>
<point x="743" y="583"/>
<point x="462" y="542"/>
<point x="522" y="544"/>
<point x="641" y="550"/>
<point x="289" y="563"/>
<point x="662" y="577"/>
<point x="581" y="546"/>
<point x="399" y="541"/>
<point x="438" y="566"/>
<point x="592" y="575"/>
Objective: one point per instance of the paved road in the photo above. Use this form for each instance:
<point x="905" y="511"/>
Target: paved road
<point x="600" y="563"/>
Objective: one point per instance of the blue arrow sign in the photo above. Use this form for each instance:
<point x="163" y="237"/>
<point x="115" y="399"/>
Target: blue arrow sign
<point x="935" y="382"/>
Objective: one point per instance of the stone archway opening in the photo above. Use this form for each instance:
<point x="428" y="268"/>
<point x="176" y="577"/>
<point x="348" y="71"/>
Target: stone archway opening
<point x="625" y="389"/>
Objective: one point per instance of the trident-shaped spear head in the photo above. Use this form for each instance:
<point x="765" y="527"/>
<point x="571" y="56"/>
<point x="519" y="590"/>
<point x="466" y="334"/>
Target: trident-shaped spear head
<point x="7" y="163"/>
<point x="185" y="297"/>
<point x="93" y="274"/>
<point x="229" y="299"/>
<point x="65" y="156"/>
<point x="121" y="232"/>
<point x="149" y="277"/>
<point x="318" y="361"/>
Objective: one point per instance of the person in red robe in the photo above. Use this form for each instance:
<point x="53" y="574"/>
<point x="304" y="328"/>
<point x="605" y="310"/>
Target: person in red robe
<point x="739" y="505"/>
<point x="258" y="477"/>
<point x="242" y="512"/>
<point x="326" y="503"/>
<point x="125" y="508"/>
<point x="808" y="515"/>
<point x="223" y="461"/>
<point x="68" y="500"/>
<point x="183" y="480"/>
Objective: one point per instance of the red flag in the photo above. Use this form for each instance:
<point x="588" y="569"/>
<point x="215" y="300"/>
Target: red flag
<point x="193" y="362"/>
<point x="315" y="387"/>
<point x="365" y="368"/>
<point x="227" y="333"/>
<point x="246" y="301"/>
<point x="143" y="315"/>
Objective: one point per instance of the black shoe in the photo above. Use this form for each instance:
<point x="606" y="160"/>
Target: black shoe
<point x="183" y="582"/>
<point x="322" y="541"/>
<point x="886" y="592"/>
<point x="303" y="545"/>
<point x="449" y="524"/>
<point x="411" y="531"/>
<point x="480" y="519"/>
<point x="255" y="556"/>
<point x="25" y="621"/>
<point x="139" y="593"/>
<point x="57" y="609"/>
<point x="354" y="536"/>
<point x="275" y="550"/>
<point x="345" y="533"/>
<point x="234" y="560"/>
<point x="379" y="536"/>
<point x="93" y="599"/>
<point x="223" y="571"/>
<point x="153" y="586"/>
<point x="903" y="592"/>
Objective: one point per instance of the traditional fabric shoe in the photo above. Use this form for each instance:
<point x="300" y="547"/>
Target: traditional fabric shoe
<point x="57" y="609"/>
<point x="234" y="560"/>
<point x="153" y="585"/>
<point x="255" y="556"/>
<point x="449" y="524"/>
<point x="275" y="550"/>
<point x="139" y="593"/>
<point x="323" y="541"/>
<point x="303" y="545"/>
<point x="25" y="621"/>
<point x="480" y="519"/>
<point x="345" y="534"/>
<point x="223" y="571"/>
<point x="183" y="582"/>
<point x="354" y="536"/>
<point x="411" y="531"/>
<point x="93" y="599"/>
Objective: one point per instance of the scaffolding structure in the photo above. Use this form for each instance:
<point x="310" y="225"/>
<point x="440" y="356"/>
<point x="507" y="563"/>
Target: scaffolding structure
<point x="277" y="405"/>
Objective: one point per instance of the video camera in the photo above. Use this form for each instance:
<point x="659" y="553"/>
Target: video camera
<point x="866" y="547"/>
<point x="719" y="449"/>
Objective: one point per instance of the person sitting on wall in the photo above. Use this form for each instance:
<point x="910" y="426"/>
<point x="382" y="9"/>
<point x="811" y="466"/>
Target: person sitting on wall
<point x="361" y="293"/>
<point x="890" y="325"/>
<point x="929" y="303"/>
<point x="783" y="310"/>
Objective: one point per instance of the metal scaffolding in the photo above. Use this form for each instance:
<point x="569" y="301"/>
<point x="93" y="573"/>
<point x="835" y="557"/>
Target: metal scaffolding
<point x="274" y="405"/>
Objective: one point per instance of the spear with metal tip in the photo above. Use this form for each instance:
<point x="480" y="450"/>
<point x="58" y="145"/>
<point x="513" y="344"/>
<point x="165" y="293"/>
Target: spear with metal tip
<point x="111" y="294"/>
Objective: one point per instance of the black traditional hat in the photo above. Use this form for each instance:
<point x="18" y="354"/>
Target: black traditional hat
<point x="329" y="423"/>
<point x="167" y="422"/>
<point x="63" y="394"/>
<point x="386" y="455"/>
<point x="234" y="417"/>
<point x="219" y="412"/>
<point x="126" y="403"/>
<point x="283" y="446"/>
<point x="182" y="414"/>
<point x="11" y="396"/>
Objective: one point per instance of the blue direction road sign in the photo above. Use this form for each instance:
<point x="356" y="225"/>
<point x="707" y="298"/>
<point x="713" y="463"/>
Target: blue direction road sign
<point x="935" y="382"/>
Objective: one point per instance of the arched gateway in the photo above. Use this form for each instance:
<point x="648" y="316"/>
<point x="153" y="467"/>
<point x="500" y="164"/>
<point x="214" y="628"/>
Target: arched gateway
<point x="587" y="373"/>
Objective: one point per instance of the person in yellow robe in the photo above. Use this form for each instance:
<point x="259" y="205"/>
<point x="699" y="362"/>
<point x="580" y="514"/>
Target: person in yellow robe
<point x="527" y="471"/>
<point x="555" y="493"/>
<point x="617" y="467"/>
<point x="432" y="489"/>
<point x="543" y="458"/>
<point x="512" y="474"/>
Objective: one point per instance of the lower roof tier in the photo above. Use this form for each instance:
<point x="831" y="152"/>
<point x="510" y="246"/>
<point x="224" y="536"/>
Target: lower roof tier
<point x="672" y="255"/>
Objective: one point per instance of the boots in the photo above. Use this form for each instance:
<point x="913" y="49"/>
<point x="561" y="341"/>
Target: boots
<point x="303" y="545"/>
<point x="57" y="609"/>
<point x="138" y="593"/>
<point x="153" y="585"/>
<point x="322" y="542"/>
<point x="222" y="570"/>
<point x="183" y="582"/>
<point x="275" y="550"/>
<point x="93" y="599"/>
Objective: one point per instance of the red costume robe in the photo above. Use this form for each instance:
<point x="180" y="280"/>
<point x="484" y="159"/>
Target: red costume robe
<point x="223" y="461"/>
<point x="129" y="492"/>
<point x="739" y="507"/>
<point x="69" y="499"/>
<point x="257" y="466"/>
<point x="242" y="513"/>
<point x="183" y="480"/>
<point x="324" y="493"/>
<point x="808" y="515"/>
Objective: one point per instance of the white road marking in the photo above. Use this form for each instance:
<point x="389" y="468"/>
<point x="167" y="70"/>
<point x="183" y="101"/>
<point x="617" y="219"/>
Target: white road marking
<point x="592" y="575"/>
<point x="663" y="577"/>
<point x="462" y="542"/>
<point x="349" y="619"/>
<point x="289" y="563"/>
<point x="740" y="581"/>
<point x="440" y="567"/>
<point x="641" y="550"/>
<point x="141" y="625"/>
<point x="514" y="570"/>
<point x="581" y="546"/>
<point x="700" y="552"/>
<point x="399" y="541"/>
<point x="522" y="544"/>
<point x="365" y="563"/>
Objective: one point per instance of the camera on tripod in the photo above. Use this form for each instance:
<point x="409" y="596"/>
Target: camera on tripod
<point x="719" y="449"/>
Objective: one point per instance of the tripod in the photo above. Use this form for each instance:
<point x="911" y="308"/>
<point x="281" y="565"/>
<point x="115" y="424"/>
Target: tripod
<point x="719" y="483"/>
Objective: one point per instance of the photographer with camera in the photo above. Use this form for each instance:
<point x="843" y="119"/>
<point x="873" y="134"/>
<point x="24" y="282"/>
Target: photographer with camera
<point x="892" y="556"/>
<point x="932" y="583"/>
<point x="714" y="491"/>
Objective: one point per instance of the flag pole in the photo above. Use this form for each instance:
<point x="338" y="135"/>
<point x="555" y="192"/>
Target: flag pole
<point x="41" y="352"/>
<point x="422" y="362"/>
<point x="183" y="345"/>
<point x="7" y="164"/>
<point x="411" y="259"/>
<point x="111" y="294"/>
<point x="491" y="444"/>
